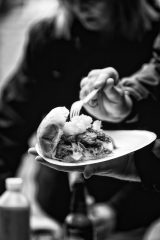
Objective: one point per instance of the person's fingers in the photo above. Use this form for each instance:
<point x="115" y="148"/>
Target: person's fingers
<point x="109" y="85"/>
<point x="89" y="171"/>
<point x="111" y="73"/>
<point x="87" y="86"/>
<point x="84" y="92"/>
<point x="95" y="168"/>
<point x="108" y="168"/>
<point x="91" y="75"/>
<point x="106" y="76"/>
<point x="94" y="73"/>
<point x="97" y="79"/>
<point x="40" y="159"/>
<point x="32" y="151"/>
<point x="92" y="82"/>
<point x="133" y="93"/>
<point x="100" y="80"/>
<point x="83" y="82"/>
<point x="113" y="92"/>
<point x="120" y="168"/>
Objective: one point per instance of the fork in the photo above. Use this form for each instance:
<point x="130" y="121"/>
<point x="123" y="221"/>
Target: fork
<point x="76" y="106"/>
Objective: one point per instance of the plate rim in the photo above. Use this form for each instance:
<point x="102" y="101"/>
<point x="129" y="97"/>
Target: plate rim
<point x="54" y="161"/>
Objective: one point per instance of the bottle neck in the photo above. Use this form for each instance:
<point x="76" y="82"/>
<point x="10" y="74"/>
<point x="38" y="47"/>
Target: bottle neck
<point x="78" y="200"/>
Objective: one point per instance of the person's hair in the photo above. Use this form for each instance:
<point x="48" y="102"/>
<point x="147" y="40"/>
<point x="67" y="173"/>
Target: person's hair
<point x="135" y="17"/>
<point x="129" y="18"/>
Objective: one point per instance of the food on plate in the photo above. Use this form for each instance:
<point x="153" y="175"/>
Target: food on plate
<point x="79" y="139"/>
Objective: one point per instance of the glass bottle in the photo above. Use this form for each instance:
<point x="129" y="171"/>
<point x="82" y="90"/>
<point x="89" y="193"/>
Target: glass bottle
<point x="77" y="225"/>
<point x="14" y="212"/>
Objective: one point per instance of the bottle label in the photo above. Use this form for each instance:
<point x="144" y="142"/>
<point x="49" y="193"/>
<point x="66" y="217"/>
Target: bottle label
<point x="14" y="223"/>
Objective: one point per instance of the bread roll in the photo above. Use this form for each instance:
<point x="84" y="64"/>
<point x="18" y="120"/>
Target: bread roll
<point x="50" y="130"/>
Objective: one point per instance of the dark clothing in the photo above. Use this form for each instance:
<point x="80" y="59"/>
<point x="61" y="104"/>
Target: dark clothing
<point x="49" y="76"/>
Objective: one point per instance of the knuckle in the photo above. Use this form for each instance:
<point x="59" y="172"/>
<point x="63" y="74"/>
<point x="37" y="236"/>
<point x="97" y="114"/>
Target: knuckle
<point x="93" y="72"/>
<point x="83" y="81"/>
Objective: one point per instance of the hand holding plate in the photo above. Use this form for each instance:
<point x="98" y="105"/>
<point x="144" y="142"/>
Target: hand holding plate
<point x="121" y="168"/>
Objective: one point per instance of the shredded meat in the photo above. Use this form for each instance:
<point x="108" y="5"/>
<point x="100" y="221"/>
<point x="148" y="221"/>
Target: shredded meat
<point x="90" y="143"/>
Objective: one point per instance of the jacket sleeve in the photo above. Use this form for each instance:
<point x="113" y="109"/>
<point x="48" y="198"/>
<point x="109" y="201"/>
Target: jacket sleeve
<point x="144" y="87"/>
<point x="146" y="82"/>
<point x="19" y="109"/>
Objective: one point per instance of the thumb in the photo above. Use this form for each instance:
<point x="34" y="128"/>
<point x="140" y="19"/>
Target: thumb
<point x="93" y="169"/>
<point x="112" y="92"/>
<point x="89" y="171"/>
<point x="32" y="151"/>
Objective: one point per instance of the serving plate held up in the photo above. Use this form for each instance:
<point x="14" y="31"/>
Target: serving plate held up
<point x="126" y="141"/>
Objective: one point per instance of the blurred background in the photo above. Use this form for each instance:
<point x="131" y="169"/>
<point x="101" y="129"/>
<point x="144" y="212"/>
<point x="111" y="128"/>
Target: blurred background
<point x="15" y="18"/>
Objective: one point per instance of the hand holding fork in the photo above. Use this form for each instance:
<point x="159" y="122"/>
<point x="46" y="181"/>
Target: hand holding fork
<point x="115" y="103"/>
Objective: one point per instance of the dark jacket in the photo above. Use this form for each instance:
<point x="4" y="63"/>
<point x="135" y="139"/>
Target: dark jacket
<point x="49" y="76"/>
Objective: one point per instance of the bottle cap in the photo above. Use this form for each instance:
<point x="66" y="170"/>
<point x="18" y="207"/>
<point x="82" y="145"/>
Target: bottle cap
<point x="13" y="184"/>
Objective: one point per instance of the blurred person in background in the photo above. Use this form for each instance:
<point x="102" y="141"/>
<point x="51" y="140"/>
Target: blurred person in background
<point x="83" y="35"/>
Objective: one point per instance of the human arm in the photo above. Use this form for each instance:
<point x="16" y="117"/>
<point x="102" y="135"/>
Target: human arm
<point x="122" y="168"/>
<point x="112" y="103"/>
<point x="142" y="86"/>
<point x="143" y="90"/>
<point x="117" y="100"/>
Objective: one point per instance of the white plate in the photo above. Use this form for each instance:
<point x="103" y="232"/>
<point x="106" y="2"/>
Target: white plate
<point x="126" y="141"/>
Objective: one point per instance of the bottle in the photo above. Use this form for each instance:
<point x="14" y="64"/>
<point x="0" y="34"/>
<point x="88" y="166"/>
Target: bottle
<point x="77" y="225"/>
<point x="14" y="212"/>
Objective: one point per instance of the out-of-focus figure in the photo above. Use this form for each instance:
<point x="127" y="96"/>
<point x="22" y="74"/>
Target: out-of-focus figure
<point x="81" y="36"/>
